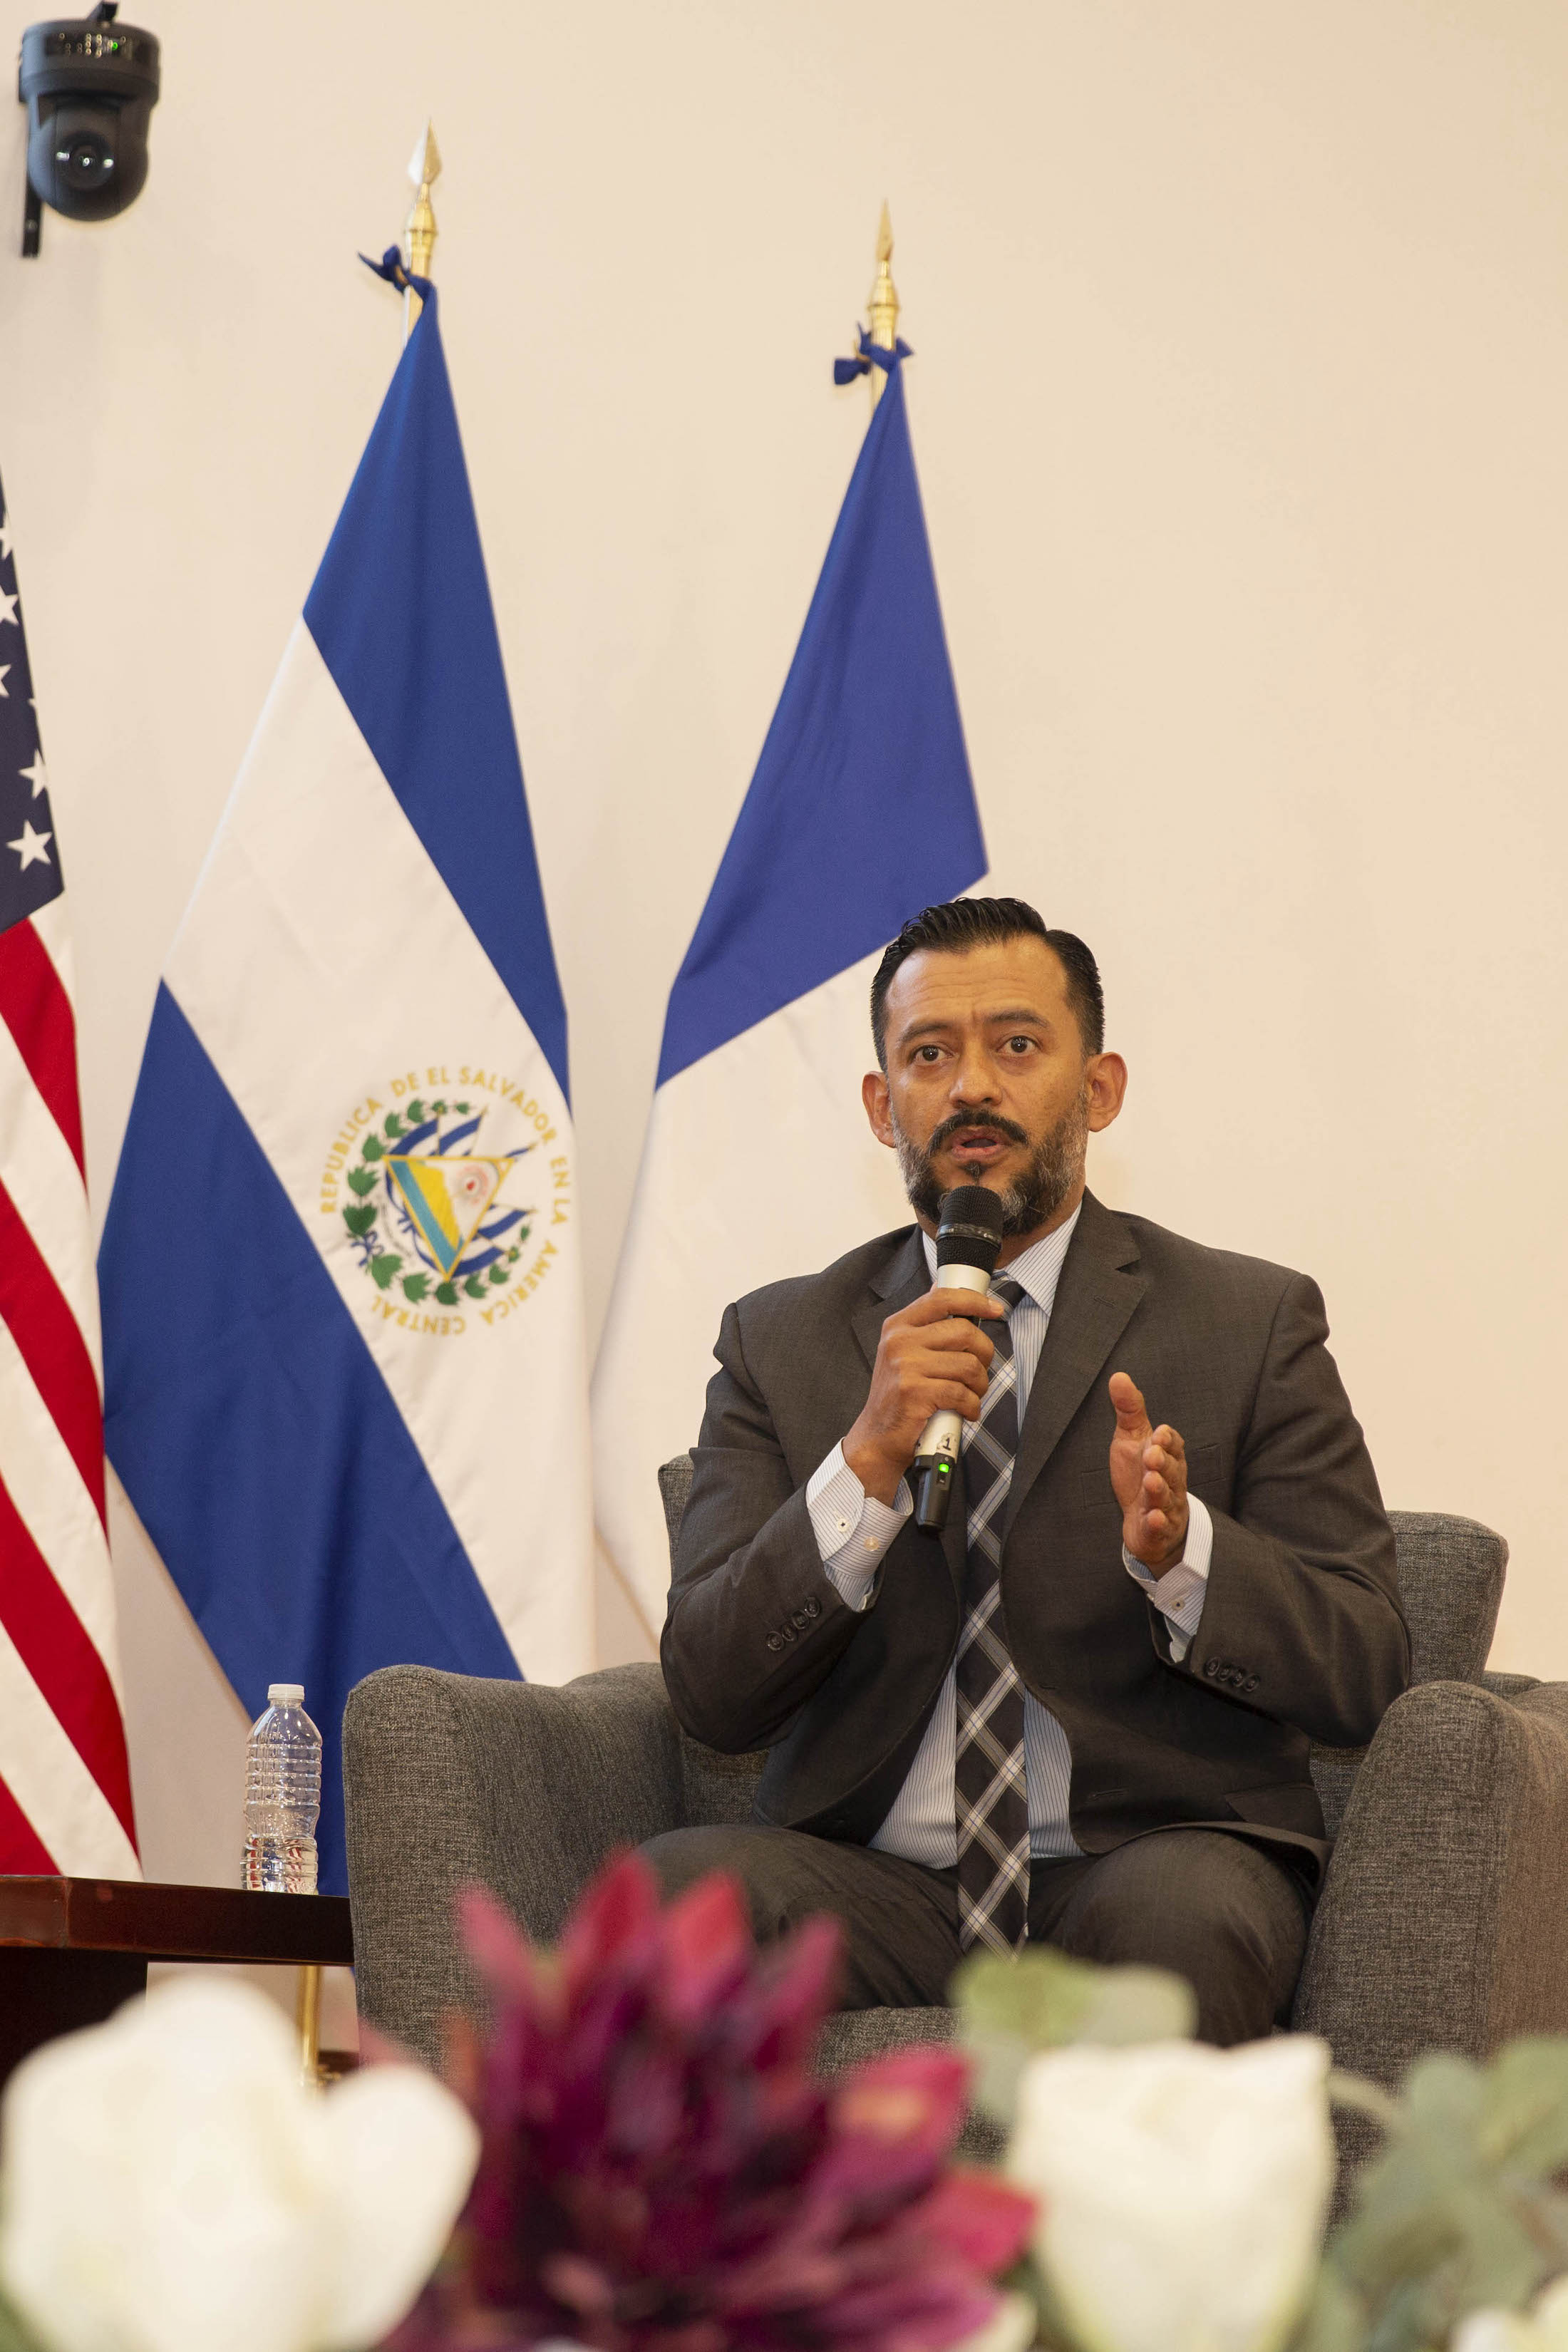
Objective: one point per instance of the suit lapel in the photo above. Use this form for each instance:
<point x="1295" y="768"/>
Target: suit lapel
<point x="898" y="1283"/>
<point x="902" y="1280"/>
<point x="1098" y="1288"/>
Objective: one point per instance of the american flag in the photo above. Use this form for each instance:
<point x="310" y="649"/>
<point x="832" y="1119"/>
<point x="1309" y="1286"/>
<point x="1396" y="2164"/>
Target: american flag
<point x="65" y="1785"/>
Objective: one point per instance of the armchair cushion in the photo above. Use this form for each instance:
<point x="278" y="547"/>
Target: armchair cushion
<point x="450" y="1780"/>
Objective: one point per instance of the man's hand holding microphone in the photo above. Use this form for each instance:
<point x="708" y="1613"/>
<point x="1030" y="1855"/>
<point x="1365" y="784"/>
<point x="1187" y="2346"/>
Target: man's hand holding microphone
<point x="933" y="1360"/>
<point x="933" y="1363"/>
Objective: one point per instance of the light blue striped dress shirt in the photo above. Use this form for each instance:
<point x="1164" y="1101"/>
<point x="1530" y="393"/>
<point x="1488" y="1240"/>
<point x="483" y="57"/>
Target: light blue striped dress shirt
<point x="853" y="1530"/>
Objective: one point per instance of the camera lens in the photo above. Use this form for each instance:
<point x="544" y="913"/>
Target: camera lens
<point x="86" y="163"/>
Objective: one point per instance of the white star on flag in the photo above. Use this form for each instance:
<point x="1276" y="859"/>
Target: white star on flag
<point x="5" y="540"/>
<point x="33" y="848"/>
<point x="8" y="609"/>
<point x="5" y="674"/>
<point x="37" y="774"/>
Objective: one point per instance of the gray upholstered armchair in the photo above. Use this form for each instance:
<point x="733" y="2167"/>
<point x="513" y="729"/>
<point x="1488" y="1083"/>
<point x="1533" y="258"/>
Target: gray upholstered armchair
<point x="1443" y="1921"/>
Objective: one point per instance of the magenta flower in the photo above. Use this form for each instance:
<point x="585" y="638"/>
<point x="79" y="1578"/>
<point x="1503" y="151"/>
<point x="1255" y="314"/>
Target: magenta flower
<point x="662" y="2172"/>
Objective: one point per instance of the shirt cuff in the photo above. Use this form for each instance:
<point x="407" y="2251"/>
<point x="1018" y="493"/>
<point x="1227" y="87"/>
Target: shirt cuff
<point x="1178" y="1595"/>
<point x="852" y="1528"/>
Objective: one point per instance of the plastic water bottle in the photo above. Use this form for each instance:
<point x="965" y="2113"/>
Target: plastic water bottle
<point x="282" y="1796"/>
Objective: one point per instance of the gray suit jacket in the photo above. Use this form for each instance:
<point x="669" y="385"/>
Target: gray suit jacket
<point x="1301" y="1637"/>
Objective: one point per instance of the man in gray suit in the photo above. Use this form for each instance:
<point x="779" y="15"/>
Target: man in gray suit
<point x="1079" y="1715"/>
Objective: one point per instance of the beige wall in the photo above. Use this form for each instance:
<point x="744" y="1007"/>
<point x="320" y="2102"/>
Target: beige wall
<point x="1241" y="406"/>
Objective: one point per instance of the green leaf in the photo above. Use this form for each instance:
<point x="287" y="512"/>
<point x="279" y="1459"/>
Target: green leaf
<point x="385" y="1266"/>
<point x="1011" y="2008"/>
<point x="1335" y="2317"/>
<point x="1458" y="2213"/>
<point x="1029" y="2278"/>
<point x="415" y="1286"/>
<point x="1445" y="2097"/>
<point x="462" y="1110"/>
<point x="997" y="2064"/>
<point x="363" y="1181"/>
<point x="447" y="1292"/>
<point x="475" y="1286"/>
<point x="1524" y="2117"/>
<point x="1044" y="2000"/>
<point x="372" y="1147"/>
<point x="416" y="1113"/>
<point x="499" y="1274"/>
<point x="15" y="2334"/>
<point x="438" y="1110"/>
<point x="359" y="1221"/>
<point x="392" y="1125"/>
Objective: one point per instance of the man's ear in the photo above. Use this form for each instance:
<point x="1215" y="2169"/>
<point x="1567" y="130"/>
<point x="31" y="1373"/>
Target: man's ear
<point x="1105" y="1081"/>
<point x="875" y="1095"/>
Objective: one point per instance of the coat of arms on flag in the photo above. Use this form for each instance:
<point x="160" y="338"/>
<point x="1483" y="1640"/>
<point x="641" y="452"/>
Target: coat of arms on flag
<point x="440" y="1195"/>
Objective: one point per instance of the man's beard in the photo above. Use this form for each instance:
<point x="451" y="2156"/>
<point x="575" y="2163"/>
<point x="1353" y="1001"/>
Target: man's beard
<point x="1055" y="1166"/>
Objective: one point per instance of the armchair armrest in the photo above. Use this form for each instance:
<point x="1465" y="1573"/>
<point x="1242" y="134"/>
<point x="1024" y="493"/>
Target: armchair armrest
<point x="1443" y="1922"/>
<point x="523" y="1788"/>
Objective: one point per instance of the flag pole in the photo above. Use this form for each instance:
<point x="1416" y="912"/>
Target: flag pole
<point x="419" y="228"/>
<point x="883" y="306"/>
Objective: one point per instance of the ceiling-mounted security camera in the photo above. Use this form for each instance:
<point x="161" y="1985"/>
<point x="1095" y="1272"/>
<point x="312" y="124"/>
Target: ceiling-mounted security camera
<point x="89" y="85"/>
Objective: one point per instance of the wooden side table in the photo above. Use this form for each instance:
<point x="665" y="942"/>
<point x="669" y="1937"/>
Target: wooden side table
<point x="73" y="1949"/>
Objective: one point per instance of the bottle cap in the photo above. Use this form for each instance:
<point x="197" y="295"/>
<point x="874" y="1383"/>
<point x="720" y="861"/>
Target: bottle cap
<point x="285" y="1693"/>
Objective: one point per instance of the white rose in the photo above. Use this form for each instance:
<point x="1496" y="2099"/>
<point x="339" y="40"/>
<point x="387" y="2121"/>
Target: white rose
<point x="167" y="2184"/>
<point x="1491" y="2330"/>
<point x="1543" y="2330"/>
<point x="1184" y="2190"/>
<point x="1011" y="2328"/>
<point x="1551" y="2313"/>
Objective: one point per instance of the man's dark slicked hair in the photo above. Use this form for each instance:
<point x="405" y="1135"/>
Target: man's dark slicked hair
<point x="960" y="924"/>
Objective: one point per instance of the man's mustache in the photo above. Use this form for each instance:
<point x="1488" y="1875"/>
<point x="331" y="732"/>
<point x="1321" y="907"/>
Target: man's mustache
<point x="988" y="1121"/>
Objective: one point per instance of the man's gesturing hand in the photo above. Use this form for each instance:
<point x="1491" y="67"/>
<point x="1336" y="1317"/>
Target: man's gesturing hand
<point x="1149" y="1479"/>
<point x="928" y="1360"/>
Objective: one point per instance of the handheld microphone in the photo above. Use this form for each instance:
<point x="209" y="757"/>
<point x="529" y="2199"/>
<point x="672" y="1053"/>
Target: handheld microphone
<point x="968" y="1243"/>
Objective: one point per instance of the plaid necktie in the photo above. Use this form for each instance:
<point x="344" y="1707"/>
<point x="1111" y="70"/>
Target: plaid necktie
<point x="991" y="1791"/>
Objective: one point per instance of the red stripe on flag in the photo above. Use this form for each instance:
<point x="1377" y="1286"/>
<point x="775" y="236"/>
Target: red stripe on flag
<point x="21" y="1850"/>
<point x="54" y="1646"/>
<point x="49" y="1340"/>
<point x="38" y="1012"/>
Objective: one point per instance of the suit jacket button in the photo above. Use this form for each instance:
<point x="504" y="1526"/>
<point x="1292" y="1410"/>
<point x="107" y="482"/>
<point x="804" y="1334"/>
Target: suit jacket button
<point x="775" y="1641"/>
<point x="814" y="1607"/>
<point x="788" y="1632"/>
<point x="1250" y="1683"/>
<point x="800" y="1619"/>
<point x="1210" y="1668"/>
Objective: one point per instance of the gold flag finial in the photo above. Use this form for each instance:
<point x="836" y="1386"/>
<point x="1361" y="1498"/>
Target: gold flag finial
<point x="883" y="306"/>
<point x="419" y="228"/>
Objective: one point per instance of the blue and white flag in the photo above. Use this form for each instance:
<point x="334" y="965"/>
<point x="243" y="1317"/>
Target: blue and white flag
<point x="346" y="1384"/>
<point x="758" y="1161"/>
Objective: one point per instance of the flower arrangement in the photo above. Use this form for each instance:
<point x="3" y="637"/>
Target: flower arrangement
<point x="662" y="2170"/>
<point x="643" y="2159"/>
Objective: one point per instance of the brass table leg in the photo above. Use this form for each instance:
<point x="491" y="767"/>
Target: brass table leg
<point x="308" y="2017"/>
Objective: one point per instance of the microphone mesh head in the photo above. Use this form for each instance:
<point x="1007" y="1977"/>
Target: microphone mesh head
<point x="969" y="1228"/>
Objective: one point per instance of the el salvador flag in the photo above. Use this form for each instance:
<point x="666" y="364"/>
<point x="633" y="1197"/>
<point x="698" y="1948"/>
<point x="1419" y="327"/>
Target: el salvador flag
<point x="758" y="1161"/>
<point x="346" y="1384"/>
